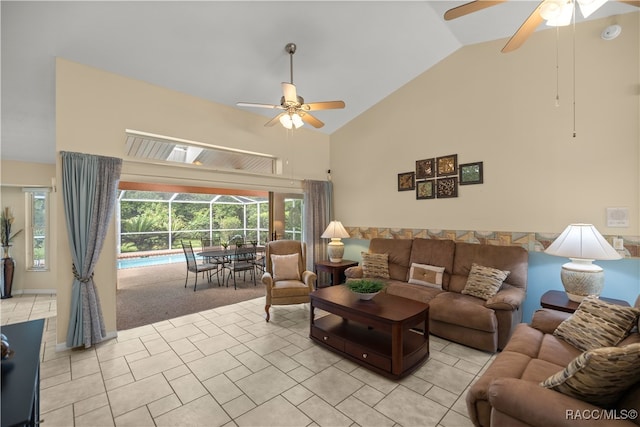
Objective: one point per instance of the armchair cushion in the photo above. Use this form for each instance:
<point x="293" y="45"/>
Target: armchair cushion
<point x="608" y="324"/>
<point x="375" y="265"/>
<point x="285" y="267"/>
<point x="599" y="376"/>
<point x="484" y="282"/>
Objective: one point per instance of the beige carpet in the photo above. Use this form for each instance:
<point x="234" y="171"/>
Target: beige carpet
<point x="151" y="294"/>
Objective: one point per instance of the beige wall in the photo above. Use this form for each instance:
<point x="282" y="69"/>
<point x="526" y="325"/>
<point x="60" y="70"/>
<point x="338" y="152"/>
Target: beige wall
<point x="93" y="109"/>
<point x="14" y="177"/>
<point x="500" y="109"/>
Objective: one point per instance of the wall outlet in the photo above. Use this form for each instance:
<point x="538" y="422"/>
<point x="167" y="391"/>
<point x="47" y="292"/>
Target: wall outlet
<point x="618" y="244"/>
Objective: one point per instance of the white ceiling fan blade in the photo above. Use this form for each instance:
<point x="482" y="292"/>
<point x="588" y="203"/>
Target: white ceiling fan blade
<point x="308" y="118"/>
<point x="289" y="91"/>
<point x="253" y="104"/>
<point x="275" y="120"/>
<point x="326" y="105"/>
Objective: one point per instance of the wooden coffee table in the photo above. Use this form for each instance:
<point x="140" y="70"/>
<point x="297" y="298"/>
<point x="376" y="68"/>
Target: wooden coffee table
<point x="376" y="334"/>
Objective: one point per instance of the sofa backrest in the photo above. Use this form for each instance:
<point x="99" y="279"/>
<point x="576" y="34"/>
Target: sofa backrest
<point x="399" y="251"/>
<point x="434" y="252"/>
<point x="512" y="258"/>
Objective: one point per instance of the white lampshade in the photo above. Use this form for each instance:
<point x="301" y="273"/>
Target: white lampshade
<point x="582" y="244"/>
<point x="557" y="13"/>
<point x="582" y="241"/>
<point x="587" y="7"/>
<point x="335" y="231"/>
<point x="290" y="121"/>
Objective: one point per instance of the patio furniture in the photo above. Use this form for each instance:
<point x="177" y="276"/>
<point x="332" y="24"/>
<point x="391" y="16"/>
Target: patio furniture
<point x="208" y="244"/>
<point x="193" y="266"/>
<point x="286" y="278"/>
<point x="242" y="260"/>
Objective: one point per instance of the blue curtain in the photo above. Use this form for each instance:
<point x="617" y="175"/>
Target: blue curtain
<point x="318" y="212"/>
<point x="89" y="185"/>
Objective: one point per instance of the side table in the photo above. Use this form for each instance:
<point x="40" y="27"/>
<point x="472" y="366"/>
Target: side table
<point x="558" y="300"/>
<point x="335" y="269"/>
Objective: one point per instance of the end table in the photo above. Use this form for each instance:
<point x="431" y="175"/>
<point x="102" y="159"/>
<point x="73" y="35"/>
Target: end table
<point x="558" y="300"/>
<point x="336" y="269"/>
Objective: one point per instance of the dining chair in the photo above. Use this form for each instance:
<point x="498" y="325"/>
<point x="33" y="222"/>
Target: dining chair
<point x="286" y="279"/>
<point x="194" y="267"/>
<point x="207" y="244"/>
<point x="242" y="260"/>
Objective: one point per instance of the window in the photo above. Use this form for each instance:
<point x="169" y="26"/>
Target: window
<point x="37" y="228"/>
<point x="293" y="209"/>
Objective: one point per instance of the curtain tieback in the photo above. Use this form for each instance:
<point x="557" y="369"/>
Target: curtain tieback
<point x="78" y="277"/>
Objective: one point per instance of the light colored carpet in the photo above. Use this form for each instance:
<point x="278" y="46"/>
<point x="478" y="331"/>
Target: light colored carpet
<point x="151" y="294"/>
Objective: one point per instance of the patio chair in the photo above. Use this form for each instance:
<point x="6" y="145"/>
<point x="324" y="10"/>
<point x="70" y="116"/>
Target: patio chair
<point x="287" y="280"/>
<point x="193" y="266"/>
<point x="207" y="244"/>
<point x="242" y="260"/>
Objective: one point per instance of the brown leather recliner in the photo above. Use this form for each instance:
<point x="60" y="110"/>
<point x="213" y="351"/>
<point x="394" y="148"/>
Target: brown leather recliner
<point x="289" y="290"/>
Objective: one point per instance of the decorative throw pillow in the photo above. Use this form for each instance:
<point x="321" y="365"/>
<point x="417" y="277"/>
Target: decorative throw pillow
<point x="597" y="324"/>
<point x="599" y="376"/>
<point x="484" y="282"/>
<point x="375" y="265"/>
<point x="426" y="275"/>
<point x="285" y="267"/>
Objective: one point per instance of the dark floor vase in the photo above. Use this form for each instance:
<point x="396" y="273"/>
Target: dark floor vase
<point x="8" y="266"/>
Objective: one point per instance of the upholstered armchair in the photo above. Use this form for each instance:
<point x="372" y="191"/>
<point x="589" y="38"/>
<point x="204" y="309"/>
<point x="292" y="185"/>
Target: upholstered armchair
<point x="286" y="279"/>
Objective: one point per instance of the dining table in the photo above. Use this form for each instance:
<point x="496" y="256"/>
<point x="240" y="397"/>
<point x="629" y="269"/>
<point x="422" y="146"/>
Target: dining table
<point x="225" y="255"/>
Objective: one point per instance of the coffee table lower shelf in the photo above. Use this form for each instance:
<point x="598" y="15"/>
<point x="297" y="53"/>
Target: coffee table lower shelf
<point x="369" y="347"/>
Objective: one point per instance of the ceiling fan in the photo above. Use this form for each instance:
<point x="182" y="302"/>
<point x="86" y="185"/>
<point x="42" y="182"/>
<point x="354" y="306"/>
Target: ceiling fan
<point x="296" y="111"/>
<point x="555" y="12"/>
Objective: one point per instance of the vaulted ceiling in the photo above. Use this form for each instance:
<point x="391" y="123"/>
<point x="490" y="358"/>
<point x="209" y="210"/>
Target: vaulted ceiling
<point x="233" y="51"/>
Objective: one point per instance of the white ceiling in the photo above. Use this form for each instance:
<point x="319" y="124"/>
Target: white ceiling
<point x="232" y="51"/>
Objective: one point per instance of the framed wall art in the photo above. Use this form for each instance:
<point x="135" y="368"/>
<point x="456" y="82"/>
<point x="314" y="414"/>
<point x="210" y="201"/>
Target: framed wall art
<point x="471" y="173"/>
<point x="426" y="168"/>
<point x="425" y="190"/>
<point x="406" y="181"/>
<point x="447" y="187"/>
<point x="447" y="165"/>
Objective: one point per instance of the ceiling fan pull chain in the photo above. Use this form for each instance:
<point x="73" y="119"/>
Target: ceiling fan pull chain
<point x="557" y="66"/>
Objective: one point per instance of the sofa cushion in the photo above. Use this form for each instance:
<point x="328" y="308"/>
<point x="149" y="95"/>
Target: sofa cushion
<point x="484" y="282"/>
<point x="285" y="267"/>
<point x="399" y="251"/>
<point x="469" y="312"/>
<point x="414" y="292"/>
<point x="599" y="376"/>
<point x="607" y="324"/>
<point x="426" y="275"/>
<point x="375" y="265"/>
<point x="434" y="252"/>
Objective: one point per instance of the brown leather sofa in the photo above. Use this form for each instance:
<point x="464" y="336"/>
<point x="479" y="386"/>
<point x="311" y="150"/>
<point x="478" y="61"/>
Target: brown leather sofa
<point x="485" y="325"/>
<point x="509" y="393"/>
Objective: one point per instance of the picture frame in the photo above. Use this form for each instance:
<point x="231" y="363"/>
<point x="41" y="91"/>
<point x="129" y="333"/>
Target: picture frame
<point x="426" y="168"/>
<point x="406" y="181"/>
<point x="471" y="173"/>
<point x="447" y="165"/>
<point x="447" y="187"/>
<point x="425" y="190"/>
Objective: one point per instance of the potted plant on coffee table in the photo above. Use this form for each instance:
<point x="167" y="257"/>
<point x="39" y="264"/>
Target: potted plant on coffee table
<point x="365" y="289"/>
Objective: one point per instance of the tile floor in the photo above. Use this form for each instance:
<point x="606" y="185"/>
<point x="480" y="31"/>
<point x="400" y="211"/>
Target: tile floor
<point x="228" y="367"/>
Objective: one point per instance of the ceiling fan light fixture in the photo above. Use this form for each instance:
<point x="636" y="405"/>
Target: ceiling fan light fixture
<point x="291" y="121"/>
<point x="587" y="7"/>
<point x="557" y="13"/>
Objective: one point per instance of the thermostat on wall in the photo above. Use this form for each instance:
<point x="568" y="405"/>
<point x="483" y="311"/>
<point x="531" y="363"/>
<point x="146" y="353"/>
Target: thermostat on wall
<point x="617" y="217"/>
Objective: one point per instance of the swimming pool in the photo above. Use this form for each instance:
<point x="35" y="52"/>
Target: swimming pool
<point x="150" y="260"/>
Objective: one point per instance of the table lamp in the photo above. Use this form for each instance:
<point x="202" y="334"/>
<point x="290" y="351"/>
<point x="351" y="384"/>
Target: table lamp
<point x="582" y="244"/>
<point x="335" y="231"/>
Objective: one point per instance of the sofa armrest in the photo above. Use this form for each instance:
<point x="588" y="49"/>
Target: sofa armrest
<point x="510" y="298"/>
<point x="534" y="405"/>
<point x="547" y="320"/>
<point x="309" y="278"/>
<point x="355" y="272"/>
